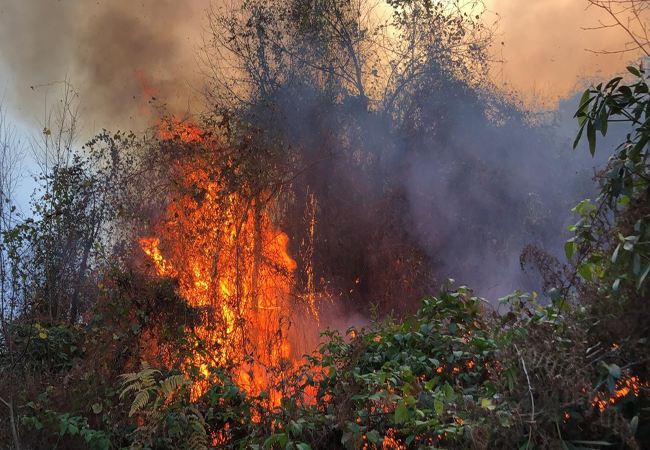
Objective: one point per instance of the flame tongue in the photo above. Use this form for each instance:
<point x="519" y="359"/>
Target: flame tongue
<point x="231" y="262"/>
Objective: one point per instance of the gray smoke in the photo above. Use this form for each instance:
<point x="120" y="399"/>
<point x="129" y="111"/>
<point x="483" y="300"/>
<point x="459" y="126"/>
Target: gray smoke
<point x="477" y="192"/>
<point x="99" y="46"/>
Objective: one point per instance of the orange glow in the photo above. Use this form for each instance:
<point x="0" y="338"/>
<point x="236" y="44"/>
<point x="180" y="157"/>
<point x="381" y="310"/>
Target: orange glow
<point x="623" y="388"/>
<point x="392" y="443"/>
<point x="187" y="132"/>
<point x="232" y="263"/>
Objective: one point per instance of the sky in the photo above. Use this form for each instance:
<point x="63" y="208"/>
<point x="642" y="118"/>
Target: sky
<point x="548" y="49"/>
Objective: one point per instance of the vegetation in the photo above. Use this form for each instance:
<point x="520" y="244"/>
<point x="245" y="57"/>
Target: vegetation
<point x="149" y="299"/>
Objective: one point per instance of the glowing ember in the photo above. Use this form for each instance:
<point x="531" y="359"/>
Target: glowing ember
<point x="624" y="387"/>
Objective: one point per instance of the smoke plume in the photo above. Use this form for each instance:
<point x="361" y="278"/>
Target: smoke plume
<point x="118" y="54"/>
<point x="100" y="46"/>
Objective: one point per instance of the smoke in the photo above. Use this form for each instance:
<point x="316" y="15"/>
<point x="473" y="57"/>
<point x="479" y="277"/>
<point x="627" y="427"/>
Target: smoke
<point x="473" y="192"/>
<point x="99" y="46"/>
<point x="549" y="48"/>
<point x="493" y="189"/>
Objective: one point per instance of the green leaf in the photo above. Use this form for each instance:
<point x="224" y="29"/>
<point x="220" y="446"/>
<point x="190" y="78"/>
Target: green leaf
<point x="585" y="271"/>
<point x="591" y="137"/>
<point x="487" y="403"/>
<point x="634" y="71"/>
<point x="582" y="109"/>
<point x="448" y="391"/>
<point x="431" y="383"/>
<point x="614" y="371"/>
<point x="97" y="408"/>
<point x="615" y="254"/>
<point x="577" y="140"/>
<point x="296" y="428"/>
<point x="570" y="248"/>
<point x="438" y="406"/>
<point x="604" y="122"/>
<point x="626" y="91"/>
<point x="373" y="436"/>
<point x="272" y="440"/>
<point x="401" y="413"/>
<point x="643" y="276"/>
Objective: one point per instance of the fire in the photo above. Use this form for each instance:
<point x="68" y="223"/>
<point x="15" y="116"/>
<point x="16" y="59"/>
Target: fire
<point x="187" y="132"/>
<point x="231" y="263"/>
<point x="150" y="247"/>
<point x="624" y="387"/>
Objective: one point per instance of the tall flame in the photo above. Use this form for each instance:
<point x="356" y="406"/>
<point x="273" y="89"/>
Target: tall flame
<point x="231" y="262"/>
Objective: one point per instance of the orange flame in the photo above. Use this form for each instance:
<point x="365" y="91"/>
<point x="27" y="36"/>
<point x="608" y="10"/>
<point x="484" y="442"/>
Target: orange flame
<point x="231" y="262"/>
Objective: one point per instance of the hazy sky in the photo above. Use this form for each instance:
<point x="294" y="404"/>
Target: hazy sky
<point x="547" y="48"/>
<point x="100" y="44"/>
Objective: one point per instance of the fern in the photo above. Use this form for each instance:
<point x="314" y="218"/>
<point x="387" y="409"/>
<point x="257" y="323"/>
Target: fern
<point x="198" y="439"/>
<point x="145" y="386"/>
<point x="141" y="400"/>
<point x="172" y="383"/>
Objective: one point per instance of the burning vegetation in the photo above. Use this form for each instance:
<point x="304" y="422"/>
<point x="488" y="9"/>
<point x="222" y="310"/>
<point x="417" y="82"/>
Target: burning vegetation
<point x="258" y="276"/>
<point x="231" y="263"/>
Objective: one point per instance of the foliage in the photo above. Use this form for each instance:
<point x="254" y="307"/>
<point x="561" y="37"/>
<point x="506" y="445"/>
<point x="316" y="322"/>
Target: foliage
<point x="454" y="375"/>
<point x="625" y="184"/>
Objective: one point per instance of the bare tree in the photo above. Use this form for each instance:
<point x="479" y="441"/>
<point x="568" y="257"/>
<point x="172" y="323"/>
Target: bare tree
<point x="369" y="49"/>
<point x="631" y="16"/>
<point x="11" y="159"/>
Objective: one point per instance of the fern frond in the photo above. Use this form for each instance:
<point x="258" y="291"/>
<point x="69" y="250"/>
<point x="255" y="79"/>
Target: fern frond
<point x="140" y="402"/>
<point x="147" y="376"/>
<point x="198" y="439"/>
<point x="172" y="383"/>
<point x="135" y="386"/>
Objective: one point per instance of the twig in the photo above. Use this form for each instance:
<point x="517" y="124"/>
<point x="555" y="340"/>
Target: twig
<point x="532" y="399"/>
